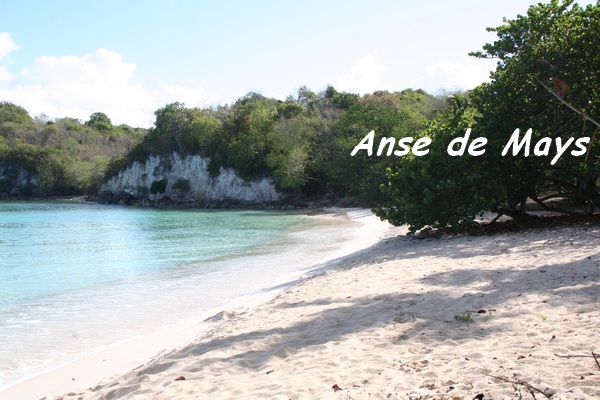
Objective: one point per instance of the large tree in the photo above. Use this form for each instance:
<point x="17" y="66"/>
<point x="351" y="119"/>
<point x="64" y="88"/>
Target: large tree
<point x="553" y="46"/>
<point x="388" y="114"/>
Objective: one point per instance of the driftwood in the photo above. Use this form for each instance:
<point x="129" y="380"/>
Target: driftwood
<point x="594" y="356"/>
<point x="530" y="387"/>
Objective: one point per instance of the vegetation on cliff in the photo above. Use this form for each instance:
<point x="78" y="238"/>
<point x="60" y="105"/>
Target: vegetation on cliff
<point x="304" y="141"/>
<point x="66" y="156"/>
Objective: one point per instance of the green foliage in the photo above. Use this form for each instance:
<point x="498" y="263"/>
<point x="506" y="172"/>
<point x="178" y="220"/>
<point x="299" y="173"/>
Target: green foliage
<point x="207" y="138"/>
<point x="292" y="140"/>
<point x="436" y="190"/>
<point x="10" y="112"/>
<point x="182" y="185"/>
<point x="100" y="121"/>
<point x="555" y="40"/>
<point x="559" y="39"/>
<point x="305" y="141"/>
<point x="159" y="186"/>
<point x="66" y="156"/>
<point x="186" y="131"/>
<point x="253" y="119"/>
<point x="289" y="109"/>
<point x="394" y="115"/>
<point x="341" y="100"/>
<point x="465" y="317"/>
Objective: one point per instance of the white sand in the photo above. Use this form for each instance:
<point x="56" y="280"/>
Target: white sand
<point x="382" y="325"/>
<point x="98" y="367"/>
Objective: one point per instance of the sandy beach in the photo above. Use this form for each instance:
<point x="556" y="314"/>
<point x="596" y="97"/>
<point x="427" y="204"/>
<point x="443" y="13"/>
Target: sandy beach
<point x="507" y="316"/>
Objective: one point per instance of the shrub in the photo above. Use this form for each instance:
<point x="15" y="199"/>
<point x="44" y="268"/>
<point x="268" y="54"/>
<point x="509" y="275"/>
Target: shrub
<point x="159" y="186"/>
<point x="182" y="184"/>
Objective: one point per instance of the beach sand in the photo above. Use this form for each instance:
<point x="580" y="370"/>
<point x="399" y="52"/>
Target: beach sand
<point x="503" y="315"/>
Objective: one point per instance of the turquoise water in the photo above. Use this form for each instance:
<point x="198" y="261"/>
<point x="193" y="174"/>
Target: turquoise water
<point x="78" y="277"/>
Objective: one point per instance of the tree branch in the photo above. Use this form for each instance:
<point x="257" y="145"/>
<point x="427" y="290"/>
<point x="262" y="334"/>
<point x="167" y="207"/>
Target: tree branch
<point x="527" y="385"/>
<point x="596" y="359"/>
<point x="552" y="208"/>
<point x="576" y="191"/>
<point x="592" y="120"/>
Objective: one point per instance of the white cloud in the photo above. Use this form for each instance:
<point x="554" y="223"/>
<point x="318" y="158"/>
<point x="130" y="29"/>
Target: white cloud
<point x="364" y="77"/>
<point x="5" y="75"/>
<point x="72" y="86"/>
<point x="453" y="75"/>
<point x="7" y="45"/>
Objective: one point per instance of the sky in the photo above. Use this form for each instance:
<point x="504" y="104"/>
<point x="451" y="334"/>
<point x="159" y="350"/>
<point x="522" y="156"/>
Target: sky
<point x="129" y="58"/>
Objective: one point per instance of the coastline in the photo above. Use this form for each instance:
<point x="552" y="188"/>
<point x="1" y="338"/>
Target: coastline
<point x="452" y="317"/>
<point x="91" y="369"/>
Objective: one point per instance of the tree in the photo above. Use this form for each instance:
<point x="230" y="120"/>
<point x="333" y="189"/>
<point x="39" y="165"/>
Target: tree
<point x="65" y="156"/>
<point x="393" y="115"/>
<point x="100" y="121"/>
<point x="555" y="40"/>
<point x="291" y="147"/>
<point x="437" y="190"/>
<point x="10" y="112"/>
<point x="207" y="138"/>
<point x="307" y="99"/>
<point x="254" y="117"/>
<point x="171" y="122"/>
<point x="172" y="131"/>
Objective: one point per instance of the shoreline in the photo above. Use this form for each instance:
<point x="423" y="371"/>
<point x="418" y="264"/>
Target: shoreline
<point x="93" y="368"/>
<point x="310" y="204"/>
<point x="447" y="318"/>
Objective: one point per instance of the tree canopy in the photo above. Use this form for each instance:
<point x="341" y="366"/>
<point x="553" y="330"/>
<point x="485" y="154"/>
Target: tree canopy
<point x="66" y="156"/>
<point x="304" y="141"/>
<point x="12" y="113"/>
<point x="100" y="121"/>
<point x="553" y="46"/>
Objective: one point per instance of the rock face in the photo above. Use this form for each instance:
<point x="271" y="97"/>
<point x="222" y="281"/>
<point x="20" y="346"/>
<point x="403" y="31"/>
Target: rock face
<point x="16" y="180"/>
<point x="177" y="180"/>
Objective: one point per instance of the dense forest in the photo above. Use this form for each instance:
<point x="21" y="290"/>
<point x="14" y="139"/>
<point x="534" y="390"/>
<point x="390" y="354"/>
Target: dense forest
<point x="304" y="141"/>
<point x="547" y="80"/>
<point x="66" y="156"/>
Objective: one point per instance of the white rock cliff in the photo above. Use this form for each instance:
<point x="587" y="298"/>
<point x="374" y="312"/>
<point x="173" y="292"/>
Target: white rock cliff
<point x="137" y="179"/>
<point x="14" y="179"/>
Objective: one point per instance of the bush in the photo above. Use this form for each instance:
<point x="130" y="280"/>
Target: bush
<point x="159" y="186"/>
<point x="182" y="184"/>
<point x="214" y="169"/>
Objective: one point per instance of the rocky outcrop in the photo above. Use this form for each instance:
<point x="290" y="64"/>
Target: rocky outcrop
<point x="16" y="180"/>
<point x="184" y="180"/>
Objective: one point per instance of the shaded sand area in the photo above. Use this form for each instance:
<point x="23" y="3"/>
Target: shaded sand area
<point x="503" y="315"/>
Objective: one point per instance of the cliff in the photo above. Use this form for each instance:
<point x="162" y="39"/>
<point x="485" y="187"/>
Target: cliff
<point x="16" y="180"/>
<point x="184" y="180"/>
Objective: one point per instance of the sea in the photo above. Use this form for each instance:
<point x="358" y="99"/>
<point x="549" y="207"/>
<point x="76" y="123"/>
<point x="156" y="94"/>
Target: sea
<point x="77" y="277"/>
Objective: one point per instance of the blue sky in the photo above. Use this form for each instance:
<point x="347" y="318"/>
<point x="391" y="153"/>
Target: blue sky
<point x="128" y="58"/>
